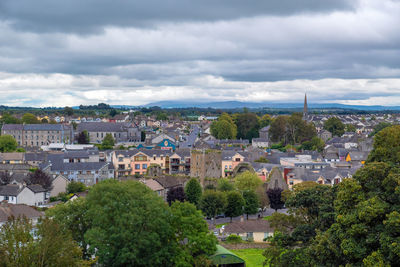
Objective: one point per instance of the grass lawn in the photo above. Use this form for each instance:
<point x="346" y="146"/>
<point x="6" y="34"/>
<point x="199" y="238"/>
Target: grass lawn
<point x="267" y="218"/>
<point x="252" y="256"/>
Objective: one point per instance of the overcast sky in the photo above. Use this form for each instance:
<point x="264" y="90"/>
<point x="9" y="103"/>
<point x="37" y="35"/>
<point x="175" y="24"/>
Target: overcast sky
<point x="59" y="53"/>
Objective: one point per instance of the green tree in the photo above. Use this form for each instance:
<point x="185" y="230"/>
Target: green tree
<point x="277" y="131"/>
<point x="251" y="203"/>
<point x="8" y="143"/>
<point x="7" y="118"/>
<point x="29" y="118"/>
<point x="192" y="234"/>
<point x="379" y="127"/>
<point x="265" y="120"/>
<point x="224" y="185"/>
<point x="47" y="245"/>
<point x="193" y="191"/>
<point x="224" y="127"/>
<point x="386" y="146"/>
<point x="350" y="128"/>
<point x="75" y="187"/>
<point x="212" y="203"/>
<point x="73" y="217"/>
<point x="316" y="144"/>
<point x="113" y="112"/>
<point x="130" y="225"/>
<point x="247" y="125"/>
<point x="247" y="181"/>
<point x="335" y="126"/>
<point x="108" y="142"/>
<point x="68" y="111"/>
<point x="83" y="137"/>
<point x="235" y="203"/>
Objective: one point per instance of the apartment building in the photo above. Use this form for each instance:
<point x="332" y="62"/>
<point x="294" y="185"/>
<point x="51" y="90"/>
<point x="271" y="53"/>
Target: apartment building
<point x="36" y="135"/>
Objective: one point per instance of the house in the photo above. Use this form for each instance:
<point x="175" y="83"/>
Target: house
<point x="89" y="173"/>
<point x="59" y="185"/>
<point x="250" y="230"/>
<point x="32" y="195"/>
<point x="325" y="135"/>
<point x="121" y="132"/>
<point x="8" y="210"/>
<point x="155" y="186"/>
<point x="260" y="142"/>
<point x="231" y="159"/>
<point x="169" y="182"/>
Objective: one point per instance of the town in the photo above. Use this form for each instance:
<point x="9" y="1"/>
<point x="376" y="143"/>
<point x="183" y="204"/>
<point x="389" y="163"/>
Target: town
<point x="44" y="165"/>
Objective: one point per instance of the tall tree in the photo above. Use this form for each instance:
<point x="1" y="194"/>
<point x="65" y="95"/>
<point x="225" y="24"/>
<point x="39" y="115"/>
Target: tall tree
<point x="83" y="137"/>
<point x="41" y="178"/>
<point x="68" y="111"/>
<point x="176" y="194"/>
<point x="224" y="185"/>
<point x="275" y="198"/>
<point x="386" y="146"/>
<point x="265" y="120"/>
<point x="247" y="181"/>
<point x="277" y="131"/>
<point x="335" y="126"/>
<point x="29" y="118"/>
<point x="247" y="125"/>
<point x="45" y="245"/>
<point x="192" y="234"/>
<point x="130" y="225"/>
<point x="212" y="203"/>
<point x="73" y="217"/>
<point x="193" y="191"/>
<point x="235" y="203"/>
<point x="108" y="142"/>
<point x="251" y="203"/>
<point x="224" y="127"/>
<point x="8" y="143"/>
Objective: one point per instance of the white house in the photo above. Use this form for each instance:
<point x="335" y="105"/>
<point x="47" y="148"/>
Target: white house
<point x="32" y="195"/>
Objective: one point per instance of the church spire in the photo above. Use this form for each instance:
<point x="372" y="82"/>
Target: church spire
<point x="305" y="109"/>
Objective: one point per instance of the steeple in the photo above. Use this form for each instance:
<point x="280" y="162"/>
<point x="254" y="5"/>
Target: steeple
<point x="305" y="109"/>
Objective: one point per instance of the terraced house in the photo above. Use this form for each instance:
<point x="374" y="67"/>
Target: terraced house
<point x="36" y="135"/>
<point x="136" y="161"/>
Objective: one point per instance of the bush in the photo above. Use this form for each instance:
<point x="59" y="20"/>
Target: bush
<point x="234" y="239"/>
<point x="75" y="187"/>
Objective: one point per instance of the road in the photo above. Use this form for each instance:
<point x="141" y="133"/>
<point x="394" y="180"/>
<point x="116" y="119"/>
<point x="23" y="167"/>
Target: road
<point x="268" y="212"/>
<point x="191" y="137"/>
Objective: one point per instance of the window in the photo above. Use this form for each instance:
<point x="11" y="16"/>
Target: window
<point x="249" y="235"/>
<point x="154" y="158"/>
<point x="144" y="166"/>
<point x="137" y="166"/>
<point x="120" y="159"/>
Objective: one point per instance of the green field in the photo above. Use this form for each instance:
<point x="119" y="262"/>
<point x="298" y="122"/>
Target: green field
<point x="252" y="256"/>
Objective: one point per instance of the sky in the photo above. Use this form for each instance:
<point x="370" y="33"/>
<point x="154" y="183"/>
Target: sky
<point x="67" y="53"/>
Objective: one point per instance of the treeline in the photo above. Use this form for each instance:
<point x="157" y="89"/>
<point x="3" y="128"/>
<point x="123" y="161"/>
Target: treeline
<point x="354" y="223"/>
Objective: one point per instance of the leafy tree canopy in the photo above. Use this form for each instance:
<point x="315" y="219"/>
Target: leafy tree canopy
<point x="335" y="126"/>
<point x="193" y="191"/>
<point x="8" y="143"/>
<point x="247" y="181"/>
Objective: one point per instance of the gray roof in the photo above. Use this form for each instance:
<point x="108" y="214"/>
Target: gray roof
<point x="36" y="156"/>
<point x="102" y="127"/>
<point x="10" y="190"/>
<point x="35" y="127"/>
<point x="36" y="188"/>
<point x="78" y="166"/>
<point x="17" y="210"/>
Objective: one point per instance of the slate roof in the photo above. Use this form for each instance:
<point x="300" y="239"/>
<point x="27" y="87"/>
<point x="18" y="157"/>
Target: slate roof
<point x="17" y="210"/>
<point x="78" y="166"/>
<point x="102" y="127"/>
<point x="36" y="188"/>
<point x="35" y="156"/>
<point x="35" y="127"/>
<point x="12" y="156"/>
<point x="152" y="184"/>
<point x="248" y="226"/>
<point x="10" y="190"/>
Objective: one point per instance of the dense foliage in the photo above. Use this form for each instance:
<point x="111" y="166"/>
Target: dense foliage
<point x="335" y="126"/>
<point x="126" y="224"/>
<point x="46" y="244"/>
<point x="8" y="143"/>
<point x="354" y="223"/>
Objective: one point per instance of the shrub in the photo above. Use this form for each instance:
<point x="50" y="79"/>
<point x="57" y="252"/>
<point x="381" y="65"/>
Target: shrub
<point x="234" y="239"/>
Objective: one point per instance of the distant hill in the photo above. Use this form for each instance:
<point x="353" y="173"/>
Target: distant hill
<point x="239" y="104"/>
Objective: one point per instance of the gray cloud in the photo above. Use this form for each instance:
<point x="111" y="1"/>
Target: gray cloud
<point x="134" y="53"/>
<point x="92" y="15"/>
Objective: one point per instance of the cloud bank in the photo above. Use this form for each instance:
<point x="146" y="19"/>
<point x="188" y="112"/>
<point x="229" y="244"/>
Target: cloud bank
<point x="56" y="53"/>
